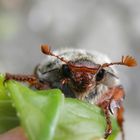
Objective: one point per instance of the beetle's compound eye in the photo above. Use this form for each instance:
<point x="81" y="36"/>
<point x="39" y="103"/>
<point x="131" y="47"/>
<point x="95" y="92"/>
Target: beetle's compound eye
<point x="100" y="75"/>
<point x="65" y="70"/>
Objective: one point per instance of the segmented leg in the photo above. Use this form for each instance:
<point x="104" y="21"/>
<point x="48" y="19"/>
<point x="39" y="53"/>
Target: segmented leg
<point x="110" y="102"/>
<point x="105" y="108"/>
<point x="31" y="79"/>
<point x="108" y="121"/>
<point x="118" y="97"/>
<point x="21" y="78"/>
<point x="120" y="120"/>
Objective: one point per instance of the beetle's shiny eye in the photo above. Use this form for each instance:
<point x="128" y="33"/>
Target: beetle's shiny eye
<point x="65" y="70"/>
<point x="100" y="75"/>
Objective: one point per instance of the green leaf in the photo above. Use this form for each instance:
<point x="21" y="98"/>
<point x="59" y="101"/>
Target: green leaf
<point x="38" y="113"/>
<point x="82" y="121"/>
<point x="47" y="115"/>
<point x="8" y="118"/>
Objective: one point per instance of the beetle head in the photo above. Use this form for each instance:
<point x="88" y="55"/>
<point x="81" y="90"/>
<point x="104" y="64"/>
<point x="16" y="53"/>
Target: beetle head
<point x="82" y="78"/>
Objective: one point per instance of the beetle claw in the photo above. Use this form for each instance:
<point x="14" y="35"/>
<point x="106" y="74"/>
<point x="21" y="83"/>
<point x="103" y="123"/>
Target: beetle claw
<point x="114" y="105"/>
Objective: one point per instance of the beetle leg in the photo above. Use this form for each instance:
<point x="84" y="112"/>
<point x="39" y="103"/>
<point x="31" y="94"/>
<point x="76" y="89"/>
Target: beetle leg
<point x="118" y="97"/>
<point x="21" y="78"/>
<point x="108" y="121"/>
<point x="31" y="79"/>
<point x="105" y="108"/>
<point x="120" y="120"/>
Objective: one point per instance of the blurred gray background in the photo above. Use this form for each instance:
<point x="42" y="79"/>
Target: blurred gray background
<point x="108" y="26"/>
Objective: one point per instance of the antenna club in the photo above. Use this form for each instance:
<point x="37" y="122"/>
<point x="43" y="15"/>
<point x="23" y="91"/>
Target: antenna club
<point x="126" y="61"/>
<point x="129" y="61"/>
<point x="45" y="49"/>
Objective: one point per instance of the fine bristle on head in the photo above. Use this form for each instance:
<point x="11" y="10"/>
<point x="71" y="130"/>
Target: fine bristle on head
<point x="129" y="61"/>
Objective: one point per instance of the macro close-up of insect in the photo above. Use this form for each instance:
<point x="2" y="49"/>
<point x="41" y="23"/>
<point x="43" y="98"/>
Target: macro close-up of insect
<point x="69" y="70"/>
<point x="89" y="77"/>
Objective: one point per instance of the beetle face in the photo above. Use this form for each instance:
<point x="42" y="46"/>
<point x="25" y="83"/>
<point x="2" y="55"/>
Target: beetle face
<point x="79" y="73"/>
<point x="86" y="85"/>
<point x="83" y="84"/>
<point x="82" y="81"/>
<point x="78" y="81"/>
